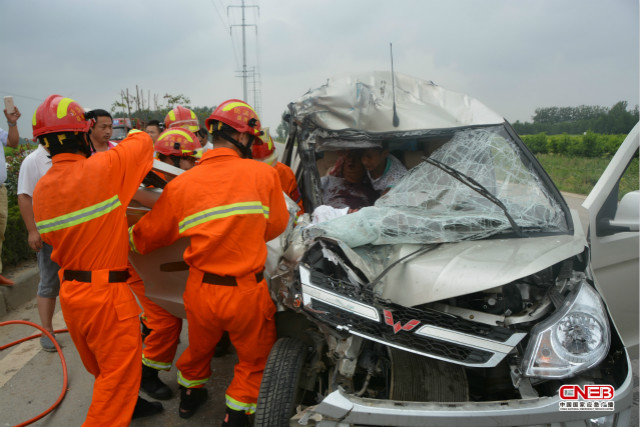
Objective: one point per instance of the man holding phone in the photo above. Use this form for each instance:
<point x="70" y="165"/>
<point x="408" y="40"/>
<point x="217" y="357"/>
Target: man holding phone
<point x="10" y="138"/>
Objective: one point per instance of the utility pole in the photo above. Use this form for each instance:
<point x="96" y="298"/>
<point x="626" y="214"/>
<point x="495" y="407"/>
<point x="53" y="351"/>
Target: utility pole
<point x="244" y="45"/>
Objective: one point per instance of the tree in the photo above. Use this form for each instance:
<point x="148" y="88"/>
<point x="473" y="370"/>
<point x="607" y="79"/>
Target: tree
<point x="282" y="131"/>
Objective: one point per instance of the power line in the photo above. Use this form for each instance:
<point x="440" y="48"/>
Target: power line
<point x="20" y="96"/>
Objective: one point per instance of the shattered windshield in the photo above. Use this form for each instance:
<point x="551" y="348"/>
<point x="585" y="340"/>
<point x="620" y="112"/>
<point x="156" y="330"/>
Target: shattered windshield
<point x="430" y="205"/>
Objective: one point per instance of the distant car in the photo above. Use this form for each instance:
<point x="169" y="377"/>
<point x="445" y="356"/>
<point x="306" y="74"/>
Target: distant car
<point x="464" y="296"/>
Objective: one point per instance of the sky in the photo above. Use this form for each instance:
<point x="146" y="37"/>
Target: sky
<point x="514" y="56"/>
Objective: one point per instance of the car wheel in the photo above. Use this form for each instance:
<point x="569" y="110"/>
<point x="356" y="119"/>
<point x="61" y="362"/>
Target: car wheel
<point x="280" y="391"/>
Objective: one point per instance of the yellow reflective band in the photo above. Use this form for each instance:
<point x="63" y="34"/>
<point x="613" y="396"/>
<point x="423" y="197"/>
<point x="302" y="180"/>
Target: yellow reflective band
<point x="132" y="245"/>
<point x="193" y="115"/>
<point x="176" y="131"/>
<point x="79" y="216"/>
<point x="236" y="405"/>
<point x="160" y="366"/>
<point x="63" y="106"/>
<point x="242" y="208"/>
<point x="231" y="105"/>
<point x="190" y="384"/>
<point x="134" y="131"/>
<point x="33" y="119"/>
<point x="172" y="115"/>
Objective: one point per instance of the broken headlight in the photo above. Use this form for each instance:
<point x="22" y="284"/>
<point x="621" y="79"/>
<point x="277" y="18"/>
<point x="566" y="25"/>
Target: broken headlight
<point x="573" y="339"/>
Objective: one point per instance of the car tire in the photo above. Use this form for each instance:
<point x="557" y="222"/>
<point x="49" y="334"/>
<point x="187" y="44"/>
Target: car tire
<point x="280" y="391"/>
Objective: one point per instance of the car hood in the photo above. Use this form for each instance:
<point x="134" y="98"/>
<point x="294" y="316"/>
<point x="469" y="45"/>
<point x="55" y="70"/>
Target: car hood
<point x="461" y="268"/>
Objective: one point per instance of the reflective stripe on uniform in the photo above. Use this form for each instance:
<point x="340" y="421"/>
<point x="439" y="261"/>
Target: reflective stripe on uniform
<point x="79" y="216"/>
<point x="236" y="405"/>
<point x="190" y="384"/>
<point x="223" y="212"/>
<point x="132" y="244"/>
<point x="161" y="366"/>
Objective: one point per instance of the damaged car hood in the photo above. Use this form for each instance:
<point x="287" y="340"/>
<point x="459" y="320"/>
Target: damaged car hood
<point x="461" y="268"/>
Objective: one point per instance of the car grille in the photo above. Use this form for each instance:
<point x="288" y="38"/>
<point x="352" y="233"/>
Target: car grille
<point x="424" y="331"/>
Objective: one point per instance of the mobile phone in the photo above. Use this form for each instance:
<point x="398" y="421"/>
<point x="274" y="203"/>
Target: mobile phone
<point x="8" y="104"/>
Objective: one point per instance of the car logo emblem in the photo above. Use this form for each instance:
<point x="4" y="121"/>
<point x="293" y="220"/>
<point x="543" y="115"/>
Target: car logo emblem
<point x="388" y="319"/>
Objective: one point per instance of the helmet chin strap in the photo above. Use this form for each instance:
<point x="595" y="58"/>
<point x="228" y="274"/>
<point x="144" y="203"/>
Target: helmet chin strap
<point x="88" y="147"/>
<point x="245" y="150"/>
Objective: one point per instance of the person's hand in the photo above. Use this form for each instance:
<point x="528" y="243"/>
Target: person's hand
<point x="13" y="117"/>
<point x="35" y="241"/>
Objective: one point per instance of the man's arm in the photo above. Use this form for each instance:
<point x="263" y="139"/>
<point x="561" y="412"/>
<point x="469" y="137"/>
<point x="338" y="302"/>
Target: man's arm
<point x="25" y="203"/>
<point x="14" y="137"/>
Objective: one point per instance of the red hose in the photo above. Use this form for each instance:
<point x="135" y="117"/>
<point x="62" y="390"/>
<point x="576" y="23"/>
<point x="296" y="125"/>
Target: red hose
<point x="64" y="363"/>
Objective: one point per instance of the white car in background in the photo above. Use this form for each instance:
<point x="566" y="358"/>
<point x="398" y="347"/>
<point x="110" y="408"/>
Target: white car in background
<point x="466" y="296"/>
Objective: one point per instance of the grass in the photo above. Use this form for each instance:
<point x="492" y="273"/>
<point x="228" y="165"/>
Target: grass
<point x="579" y="174"/>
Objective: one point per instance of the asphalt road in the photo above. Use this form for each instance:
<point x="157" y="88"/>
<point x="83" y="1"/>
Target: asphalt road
<point x="31" y="379"/>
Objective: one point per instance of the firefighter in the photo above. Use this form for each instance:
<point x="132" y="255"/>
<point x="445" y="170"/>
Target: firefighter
<point x="182" y="117"/>
<point x="229" y="207"/>
<point x="161" y="329"/>
<point x="264" y="149"/>
<point x="79" y="208"/>
<point x="178" y="147"/>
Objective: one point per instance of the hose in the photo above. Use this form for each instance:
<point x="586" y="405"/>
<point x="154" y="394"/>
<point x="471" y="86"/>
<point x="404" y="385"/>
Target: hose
<point x="62" y="360"/>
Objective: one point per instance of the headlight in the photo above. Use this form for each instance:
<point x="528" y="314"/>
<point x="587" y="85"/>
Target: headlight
<point x="573" y="339"/>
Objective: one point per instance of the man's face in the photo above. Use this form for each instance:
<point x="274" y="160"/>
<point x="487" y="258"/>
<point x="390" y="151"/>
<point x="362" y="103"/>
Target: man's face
<point x="102" y="130"/>
<point x="203" y="139"/>
<point x="187" y="163"/>
<point x="153" y="131"/>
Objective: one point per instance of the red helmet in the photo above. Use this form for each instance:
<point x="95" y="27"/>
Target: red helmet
<point x="59" y="114"/>
<point x="181" y="117"/>
<point x="264" y="149"/>
<point x="177" y="142"/>
<point x="237" y="114"/>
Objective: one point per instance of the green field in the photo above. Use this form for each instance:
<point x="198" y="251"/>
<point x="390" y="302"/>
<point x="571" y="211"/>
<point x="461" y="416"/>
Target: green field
<point x="580" y="174"/>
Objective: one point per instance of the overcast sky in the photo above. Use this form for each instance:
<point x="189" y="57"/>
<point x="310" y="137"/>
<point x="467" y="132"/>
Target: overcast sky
<point x="514" y="56"/>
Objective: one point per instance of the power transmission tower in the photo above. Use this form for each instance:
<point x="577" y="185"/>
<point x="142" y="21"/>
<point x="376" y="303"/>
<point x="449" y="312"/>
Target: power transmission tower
<point x="244" y="25"/>
<point x="257" y="96"/>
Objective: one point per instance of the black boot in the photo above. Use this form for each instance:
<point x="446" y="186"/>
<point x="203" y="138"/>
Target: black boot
<point x="144" y="408"/>
<point x="152" y="385"/>
<point x="234" y="418"/>
<point x="190" y="400"/>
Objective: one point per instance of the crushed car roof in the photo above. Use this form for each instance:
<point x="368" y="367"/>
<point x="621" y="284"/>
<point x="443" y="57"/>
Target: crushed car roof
<point x="366" y="101"/>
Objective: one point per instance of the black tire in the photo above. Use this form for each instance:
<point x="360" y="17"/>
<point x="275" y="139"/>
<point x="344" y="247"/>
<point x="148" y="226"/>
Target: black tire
<point x="280" y="392"/>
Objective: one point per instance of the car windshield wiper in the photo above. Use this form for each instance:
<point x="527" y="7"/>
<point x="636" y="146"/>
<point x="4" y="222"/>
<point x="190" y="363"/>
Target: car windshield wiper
<point x="477" y="187"/>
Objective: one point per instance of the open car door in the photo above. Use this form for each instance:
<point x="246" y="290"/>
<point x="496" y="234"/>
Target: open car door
<point x="613" y="236"/>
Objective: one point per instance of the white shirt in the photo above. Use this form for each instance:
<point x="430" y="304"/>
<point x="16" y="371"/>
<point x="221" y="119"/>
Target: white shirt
<point x="33" y="167"/>
<point x="393" y="171"/>
<point x="3" y="163"/>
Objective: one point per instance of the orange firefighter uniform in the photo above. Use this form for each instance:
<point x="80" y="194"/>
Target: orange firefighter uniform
<point x="79" y="207"/>
<point x="229" y="207"/>
<point x="161" y="344"/>
<point x="289" y="184"/>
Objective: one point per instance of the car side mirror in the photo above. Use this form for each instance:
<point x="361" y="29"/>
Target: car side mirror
<point x="627" y="217"/>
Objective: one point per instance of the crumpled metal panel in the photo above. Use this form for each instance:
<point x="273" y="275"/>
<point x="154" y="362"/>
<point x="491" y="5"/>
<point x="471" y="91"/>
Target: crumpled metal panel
<point x="430" y="206"/>
<point x="365" y="102"/>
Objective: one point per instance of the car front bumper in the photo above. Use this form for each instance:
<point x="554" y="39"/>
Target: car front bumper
<point x="339" y="409"/>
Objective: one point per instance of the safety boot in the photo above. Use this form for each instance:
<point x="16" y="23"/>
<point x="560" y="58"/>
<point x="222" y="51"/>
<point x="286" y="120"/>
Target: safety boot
<point x="152" y="385"/>
<point x="233" y="418"/>
<point x="144" y="408"/>
<point x="190" y="400"/>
